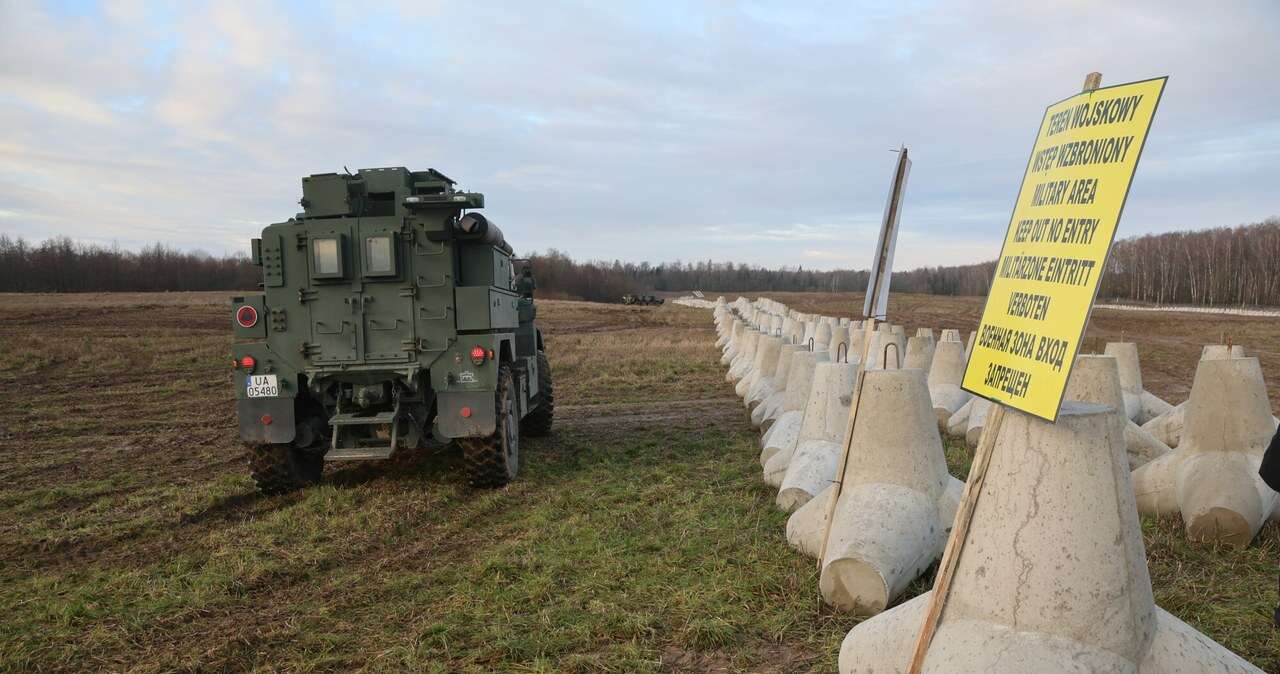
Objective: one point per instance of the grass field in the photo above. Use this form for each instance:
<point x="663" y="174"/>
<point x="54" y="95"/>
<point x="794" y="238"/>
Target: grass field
<point x="639" y="537"/>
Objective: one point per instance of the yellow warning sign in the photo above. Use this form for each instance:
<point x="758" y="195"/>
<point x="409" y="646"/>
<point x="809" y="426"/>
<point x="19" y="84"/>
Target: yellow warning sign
<point x="1056" y="248"/>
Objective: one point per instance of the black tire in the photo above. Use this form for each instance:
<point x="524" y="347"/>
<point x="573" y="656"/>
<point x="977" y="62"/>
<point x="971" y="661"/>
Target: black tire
<point x="278" y="469"/>
<point x="493" y="461"/>
<point x="537" y="423"/>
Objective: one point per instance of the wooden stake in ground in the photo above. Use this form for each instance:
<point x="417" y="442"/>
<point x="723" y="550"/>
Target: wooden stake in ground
<point x="964" y="514"/>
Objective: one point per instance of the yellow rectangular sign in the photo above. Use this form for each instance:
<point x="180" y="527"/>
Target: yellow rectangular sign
<point x="1056" y="248"/>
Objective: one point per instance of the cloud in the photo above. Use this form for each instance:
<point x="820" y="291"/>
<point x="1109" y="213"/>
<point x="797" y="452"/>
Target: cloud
<point x="726" y="131"/>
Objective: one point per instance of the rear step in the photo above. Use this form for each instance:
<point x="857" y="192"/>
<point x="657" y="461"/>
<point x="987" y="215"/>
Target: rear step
<point x="359" y="449"/>
<point x="358" y="453"/>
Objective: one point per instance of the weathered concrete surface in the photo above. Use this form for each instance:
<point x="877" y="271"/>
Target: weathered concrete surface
<point x="813" y="464"/>
<point x="1096" y="379"/>
<point x="1053" y="576"/>
<point x="771" y="406"/>
<point x="1140" y="405"/>
<point x="731" y="349"/>
<point x="895" y="512"/>
<point x="920" y="353"/>
<point x="977" y="421"/>
<point x="945" y="376"/>
<point x="959" y="422"/>
<point x="1212" y="479"/>
<point x="806" y="525"/>
<point x="1167" y="427"/>
<point x="785" y="432"/>
<point x="766" y="352"/>
<point x="741" y="364"/>
<point x="761" y="380"/>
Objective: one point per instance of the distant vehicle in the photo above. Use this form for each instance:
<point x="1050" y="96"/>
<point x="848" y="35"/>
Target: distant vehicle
<point x="391" y="312"/>
<point x="641" y="300"/>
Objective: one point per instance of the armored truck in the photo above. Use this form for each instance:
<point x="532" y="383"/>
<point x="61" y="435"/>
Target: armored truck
<point x="390" y="315"/>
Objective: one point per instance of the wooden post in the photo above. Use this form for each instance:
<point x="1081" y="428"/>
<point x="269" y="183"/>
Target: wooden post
<point x="964" y="514"/>
<point x="959" y="532"/>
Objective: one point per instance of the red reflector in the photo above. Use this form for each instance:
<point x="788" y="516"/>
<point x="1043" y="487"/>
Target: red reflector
<point x="248" y="362"/>
<point x="247" y="316"/>
<point x="465" y="412"/>
<point x="266" y="420"/>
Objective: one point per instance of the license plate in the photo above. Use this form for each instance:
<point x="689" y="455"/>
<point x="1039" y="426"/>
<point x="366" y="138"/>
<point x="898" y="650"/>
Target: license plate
<point x="262" y="386"/>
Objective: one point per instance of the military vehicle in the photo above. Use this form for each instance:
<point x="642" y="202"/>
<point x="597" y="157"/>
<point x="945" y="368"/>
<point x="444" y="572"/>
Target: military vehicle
<point x="643" y="300"/>
<point x="390" y="316"/>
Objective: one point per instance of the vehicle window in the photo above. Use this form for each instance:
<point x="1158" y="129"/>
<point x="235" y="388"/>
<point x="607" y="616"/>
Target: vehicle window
<point x="326" y="256"/>
<point x="378" y="255"/>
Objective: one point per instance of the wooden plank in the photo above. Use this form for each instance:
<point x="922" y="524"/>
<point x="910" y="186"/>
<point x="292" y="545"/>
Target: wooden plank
<point x="959" y="532"/>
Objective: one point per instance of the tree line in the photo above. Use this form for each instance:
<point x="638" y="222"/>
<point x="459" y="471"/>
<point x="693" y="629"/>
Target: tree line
<point x="1218" y="266"/>
<point x="60" y="265"/>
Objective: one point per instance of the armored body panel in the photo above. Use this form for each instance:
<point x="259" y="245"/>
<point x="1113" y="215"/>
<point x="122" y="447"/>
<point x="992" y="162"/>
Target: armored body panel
<point x="389" y="311"/>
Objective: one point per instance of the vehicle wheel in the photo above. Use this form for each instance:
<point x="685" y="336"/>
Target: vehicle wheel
<point x="537" y="423"/>
<point x="493" y="461"/>
<point x="278" y="469"/>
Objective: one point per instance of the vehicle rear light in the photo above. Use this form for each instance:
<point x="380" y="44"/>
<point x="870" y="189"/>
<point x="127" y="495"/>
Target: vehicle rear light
<point x="248" y="363"/>
<point x="478" y="354"/>
<point x="266" y="420"/>
<point x="247" y="316"/>
<point x="465" y="412"/>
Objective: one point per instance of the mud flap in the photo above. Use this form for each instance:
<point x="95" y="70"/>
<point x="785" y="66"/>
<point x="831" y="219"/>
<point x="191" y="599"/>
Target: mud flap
<point x="266" y="420"/>
<point x="452" y="424"/>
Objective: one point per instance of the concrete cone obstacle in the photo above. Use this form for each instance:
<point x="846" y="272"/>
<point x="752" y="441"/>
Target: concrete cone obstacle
<point x="1212" y="479"/>
<point x="731" y="348"/>
<point x="813" y="463"/>
<point x="768" y="408"/>
<point x="1167" y="427"/>
<point x="946" y="374"/>
<point x="1140" y="405"/>
<point x="838" y="347"/>
<point x="822" y="335"/>
<point x="976" y="422"/>
<point x="741" y="364"/>
<point x="949" y="335"/>
<point x="959" y="422"/>
<point x="1052" y="576"/>
<point x="1096" y="379"/>
<point x="762" y="369"/>
<point x="778" y="444"/>
<point x="920" y="350"/>
<point x="808" y="524"/>
<point x="895" y="512"/>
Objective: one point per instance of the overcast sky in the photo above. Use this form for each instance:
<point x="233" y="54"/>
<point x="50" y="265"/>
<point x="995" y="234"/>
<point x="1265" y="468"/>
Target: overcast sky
<point x="747" y="132"/>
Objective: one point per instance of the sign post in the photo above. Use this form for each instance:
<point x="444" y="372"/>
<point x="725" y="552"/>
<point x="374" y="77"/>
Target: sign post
<point x="1046" y="279"/>
<point x="876" y="305"/>
<point x="1056" y="248"/>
